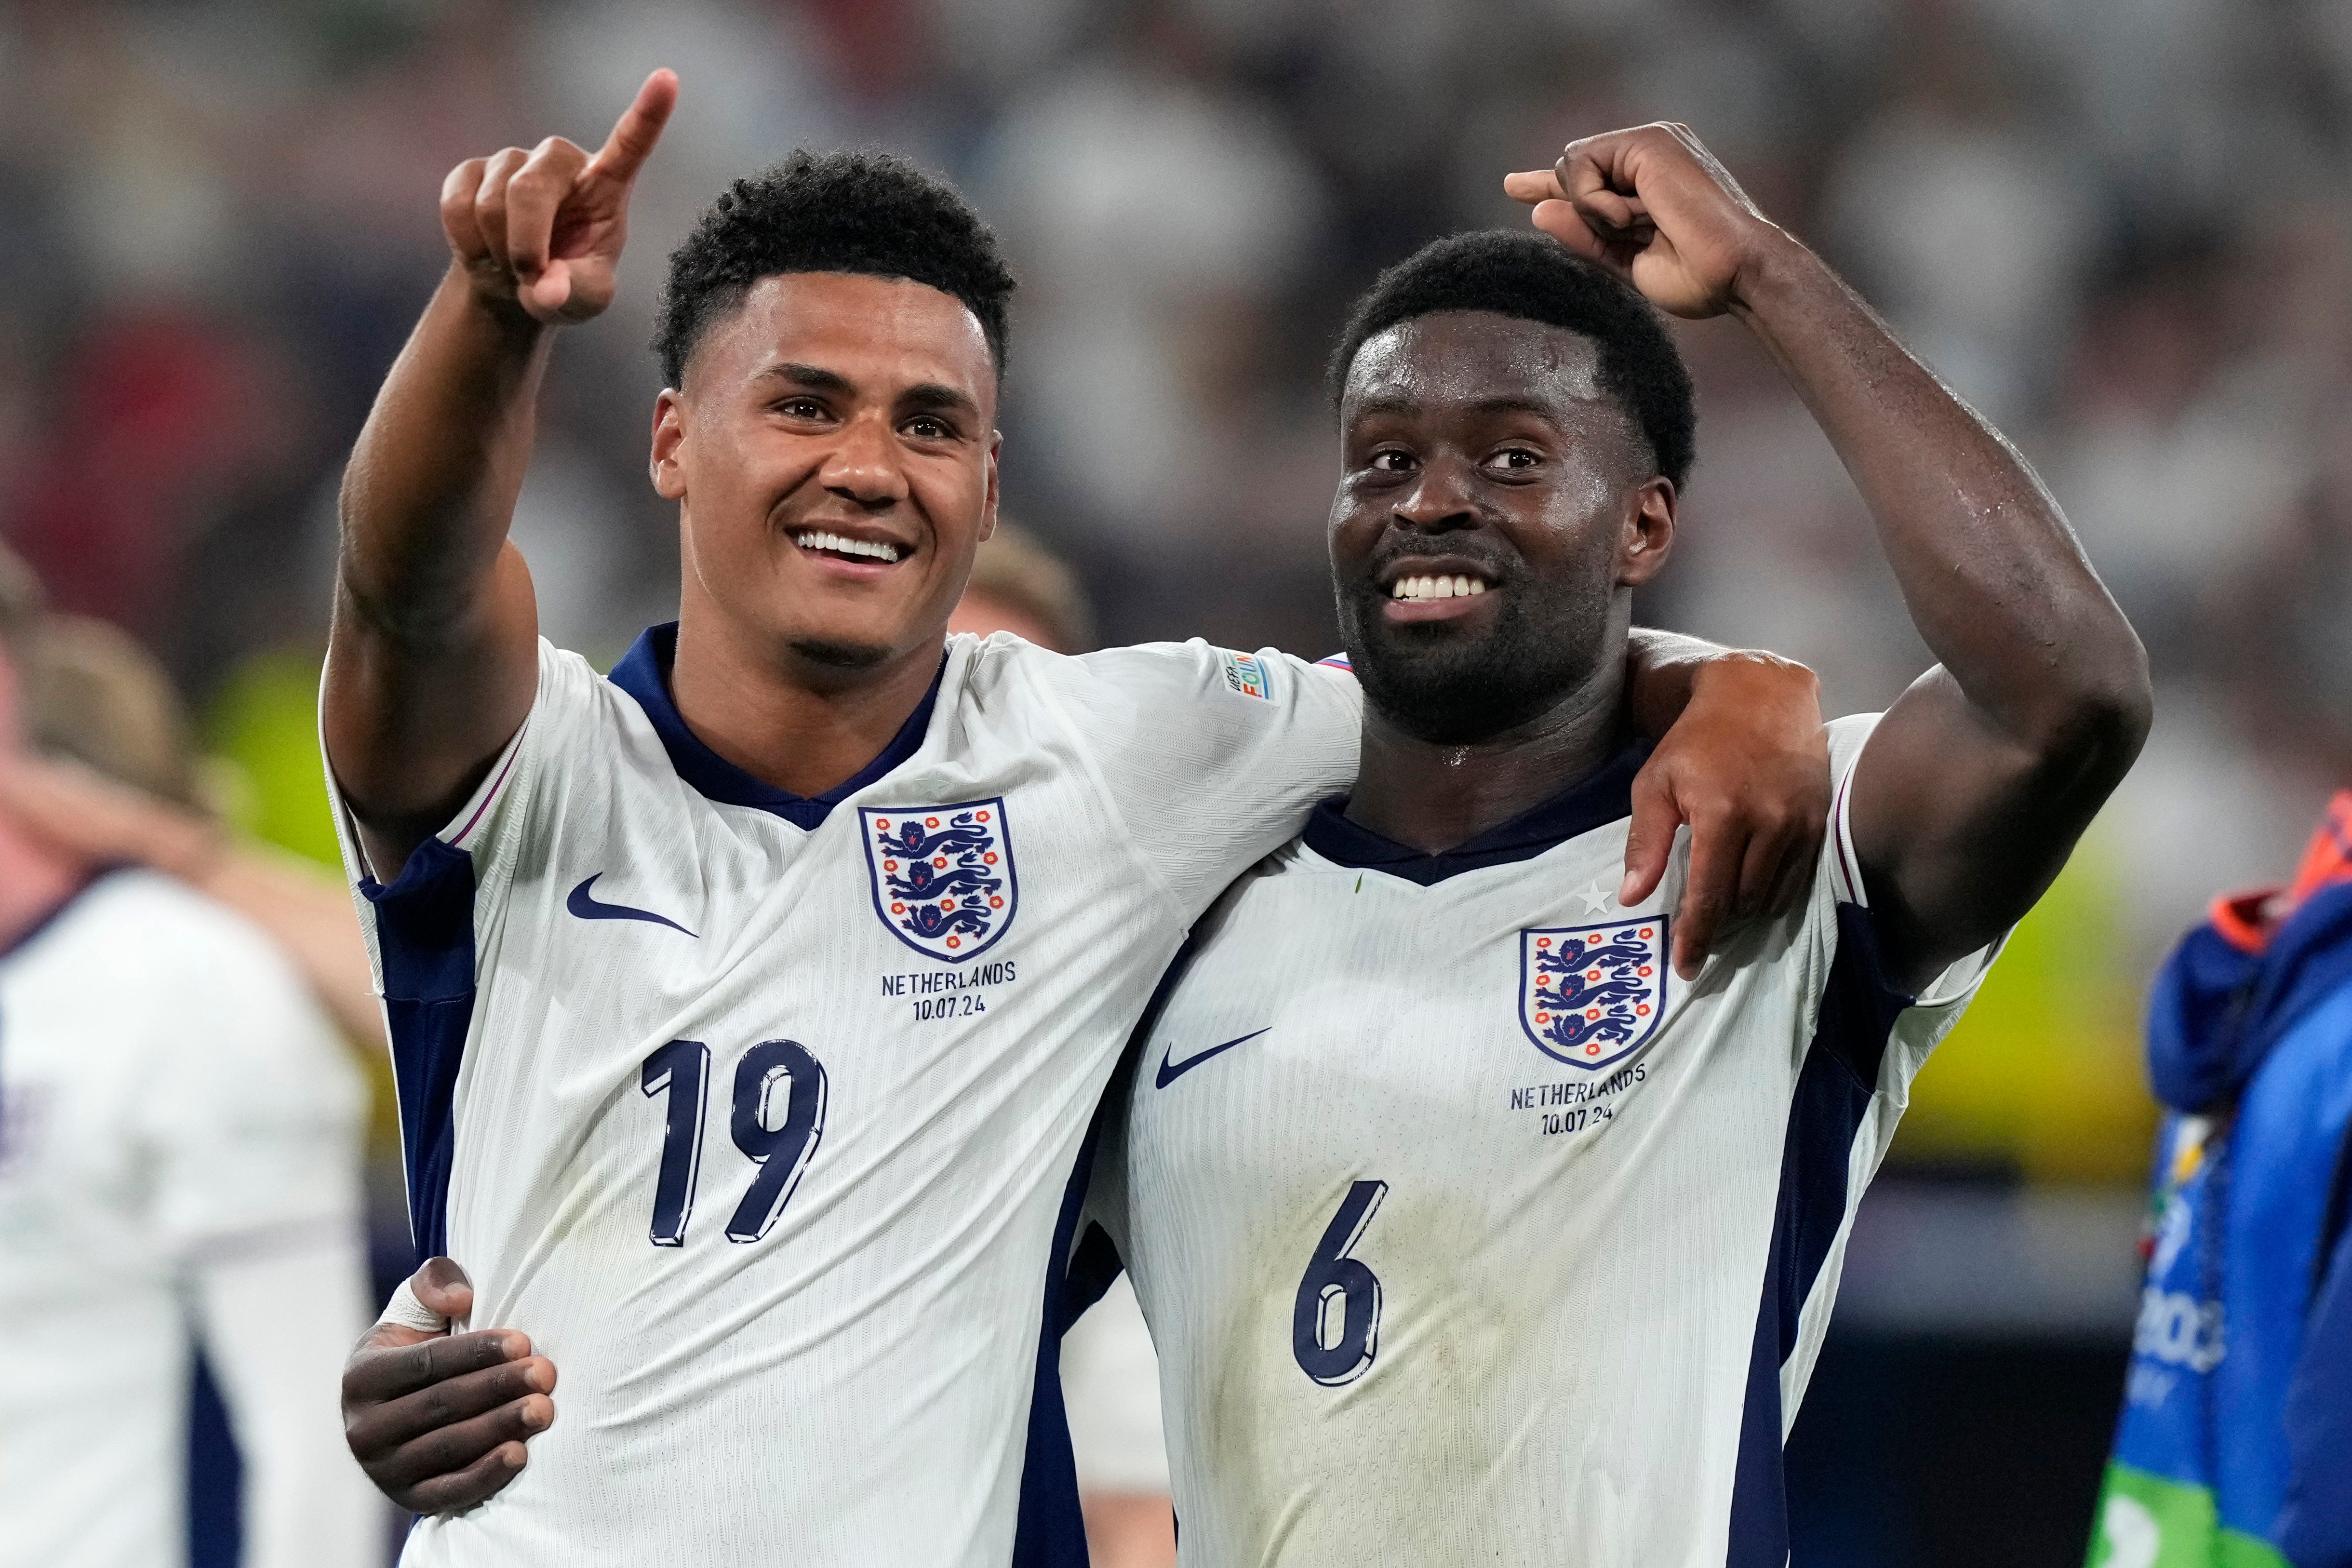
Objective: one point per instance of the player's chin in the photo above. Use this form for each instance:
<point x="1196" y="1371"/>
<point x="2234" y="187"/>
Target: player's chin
<point x="867" y="632"/>
<point x="835" y="653"/>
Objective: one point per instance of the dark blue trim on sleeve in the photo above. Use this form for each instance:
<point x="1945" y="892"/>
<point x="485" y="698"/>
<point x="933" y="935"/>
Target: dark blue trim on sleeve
<point x="644" y="674"/>
<point x="1601" y="797"/>
<point x="1051" y="1530"/>
<point x="1858" y="1009"/>
<point x="425" y="938"/>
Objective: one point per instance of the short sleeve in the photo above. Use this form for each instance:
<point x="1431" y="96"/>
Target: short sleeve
<point x="564" y="712"/>
<point x="252" y="1111"/>
<point x="1212" y="757"/>
<point x="1930" y="1014"/>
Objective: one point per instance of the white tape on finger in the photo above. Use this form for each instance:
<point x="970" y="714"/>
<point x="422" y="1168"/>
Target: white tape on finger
<point x="405" y="1310"/>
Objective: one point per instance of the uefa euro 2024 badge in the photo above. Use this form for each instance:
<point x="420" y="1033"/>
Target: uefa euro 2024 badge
<point x="1591" y="996"/>
<point x="942" y="875"/>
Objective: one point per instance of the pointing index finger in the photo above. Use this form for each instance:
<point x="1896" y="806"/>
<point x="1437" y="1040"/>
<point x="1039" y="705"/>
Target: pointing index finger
<point x="1533" y="185"/>
<point x="639" y="127"/>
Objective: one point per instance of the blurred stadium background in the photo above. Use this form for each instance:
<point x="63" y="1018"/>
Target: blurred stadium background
<point x="2123" y="228"/>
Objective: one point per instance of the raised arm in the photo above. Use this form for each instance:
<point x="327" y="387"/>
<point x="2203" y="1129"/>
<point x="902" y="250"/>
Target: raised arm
<point x="1967" y="799"/>
<point x="432" y="664"/>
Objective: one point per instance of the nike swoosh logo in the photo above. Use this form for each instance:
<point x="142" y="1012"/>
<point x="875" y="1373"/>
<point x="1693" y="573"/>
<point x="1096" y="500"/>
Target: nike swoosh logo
<point x="1169" y="1073"/>
<point x="591" y="908"/>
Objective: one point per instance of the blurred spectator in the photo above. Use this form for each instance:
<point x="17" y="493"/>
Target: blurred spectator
<point x="1019" y="586"/>
<point x="2236" y="1439"/>
<point x="179" y="1164"/>
<point x="1957" y="205"/>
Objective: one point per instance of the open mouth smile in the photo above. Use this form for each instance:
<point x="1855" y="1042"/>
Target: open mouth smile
<point x="843" y="547"/>
<point x="1459" y="585"/>
<point x="1441" y="588"/>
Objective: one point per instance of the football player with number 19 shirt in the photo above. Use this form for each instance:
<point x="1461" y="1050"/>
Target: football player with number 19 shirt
<point x="1470" y="1230"/>
<point x="749" y="1006"/>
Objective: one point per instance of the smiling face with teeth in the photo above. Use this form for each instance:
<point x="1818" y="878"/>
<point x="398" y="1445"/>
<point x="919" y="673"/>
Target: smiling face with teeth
<point x="1495" y="510"/>
<point x="834" y="454"/>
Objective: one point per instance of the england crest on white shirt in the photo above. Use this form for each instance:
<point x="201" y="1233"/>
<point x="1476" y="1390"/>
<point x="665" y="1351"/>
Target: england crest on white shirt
<point x="1590" y="995"/>
<point x="942" y="875"/>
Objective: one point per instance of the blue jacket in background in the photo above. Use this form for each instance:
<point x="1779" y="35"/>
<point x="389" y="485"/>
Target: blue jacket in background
<point x="2235" y="1446"/>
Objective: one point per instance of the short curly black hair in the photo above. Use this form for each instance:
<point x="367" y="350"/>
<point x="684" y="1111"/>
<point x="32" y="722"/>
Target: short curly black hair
<point x="863" y="212"/>
<point x="1537" y="279"/>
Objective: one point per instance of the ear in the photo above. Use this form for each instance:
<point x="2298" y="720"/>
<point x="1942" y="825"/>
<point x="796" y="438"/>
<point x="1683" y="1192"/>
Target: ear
<point x="1647" y="537"/>
<point x="667" y="472"/>
<point x="987" y="507"/>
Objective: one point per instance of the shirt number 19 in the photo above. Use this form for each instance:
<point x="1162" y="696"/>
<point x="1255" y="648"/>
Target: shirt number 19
<point x="777" y="1118"/>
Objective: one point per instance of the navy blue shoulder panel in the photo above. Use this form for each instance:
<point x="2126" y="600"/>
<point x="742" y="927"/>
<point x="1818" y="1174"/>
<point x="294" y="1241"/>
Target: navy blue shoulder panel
<point x="424" y="934"/>
<point x="1094" y="1264"/>
<point x="1858" y="1009"/>
<point x="1051" y="1531"/>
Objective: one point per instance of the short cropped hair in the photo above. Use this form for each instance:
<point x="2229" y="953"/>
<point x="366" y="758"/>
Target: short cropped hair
<point x="860" y="212"/>
<point x="1535" y="278"/>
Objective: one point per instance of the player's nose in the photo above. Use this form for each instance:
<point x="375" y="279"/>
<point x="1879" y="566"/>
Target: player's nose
<point x="863" y="466"/>
<point x="1442" y="498"/>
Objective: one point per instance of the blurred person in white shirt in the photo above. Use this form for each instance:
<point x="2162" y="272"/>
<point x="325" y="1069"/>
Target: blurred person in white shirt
<point x="179" y="1160"/>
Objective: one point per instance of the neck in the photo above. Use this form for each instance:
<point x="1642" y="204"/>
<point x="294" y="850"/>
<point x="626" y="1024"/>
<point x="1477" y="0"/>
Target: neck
<point x="35" y="879"/>
<point x="1433" y="797"/>
<point x="799" y="726"/>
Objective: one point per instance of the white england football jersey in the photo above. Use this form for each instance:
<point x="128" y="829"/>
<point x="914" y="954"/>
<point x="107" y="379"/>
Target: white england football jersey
<point x="170" y="1097"/>
<point x="760" y="1114"/>
<point x="1450" y="1206"/>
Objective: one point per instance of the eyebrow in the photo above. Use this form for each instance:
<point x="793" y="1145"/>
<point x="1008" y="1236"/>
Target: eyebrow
<point x="811" y="376"/>
<point x="932" y="394"/>
<point x="926" y="394"/>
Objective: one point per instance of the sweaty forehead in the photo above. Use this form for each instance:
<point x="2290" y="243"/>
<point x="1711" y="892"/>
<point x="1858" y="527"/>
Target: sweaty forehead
<point x="1474" y="356"/>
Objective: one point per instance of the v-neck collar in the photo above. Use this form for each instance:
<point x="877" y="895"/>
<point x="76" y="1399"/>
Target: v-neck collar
<point x="644" y="673"/>
<point x="1601" y="797"/>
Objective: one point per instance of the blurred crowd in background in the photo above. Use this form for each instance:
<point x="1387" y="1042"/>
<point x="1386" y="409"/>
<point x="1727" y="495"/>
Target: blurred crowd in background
<point x="2122" y="228"/>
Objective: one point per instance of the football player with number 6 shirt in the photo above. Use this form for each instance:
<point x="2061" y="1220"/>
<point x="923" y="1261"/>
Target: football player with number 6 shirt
<point x="1469" y="1228"/>
<point x="749" y="1006"/>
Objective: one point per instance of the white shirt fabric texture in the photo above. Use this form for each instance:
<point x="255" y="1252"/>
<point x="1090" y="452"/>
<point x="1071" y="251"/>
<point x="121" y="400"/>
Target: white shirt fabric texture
<point x="762" y="1115"/>
<point x="179" y="1156"/>
<point x="1442" y="1271"/>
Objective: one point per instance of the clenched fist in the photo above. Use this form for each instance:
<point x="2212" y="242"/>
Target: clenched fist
<point x="438" y="1421"/>
<point x="543" y="229"/>
<point x="1655" y="207"/>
